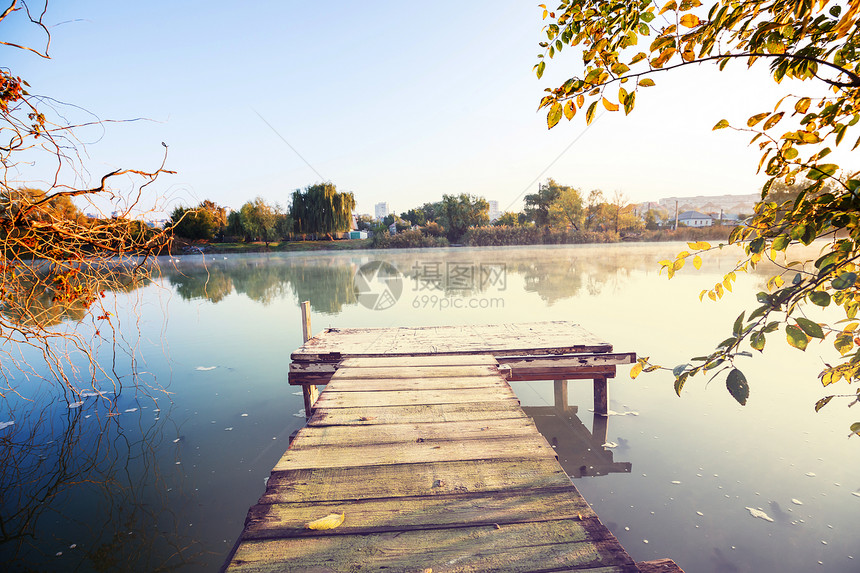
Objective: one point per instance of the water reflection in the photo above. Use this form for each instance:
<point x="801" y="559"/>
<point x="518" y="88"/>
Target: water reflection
<point x="82" y="490"/>
<point x="328" y="285"/>
<point x="581" y="452"/>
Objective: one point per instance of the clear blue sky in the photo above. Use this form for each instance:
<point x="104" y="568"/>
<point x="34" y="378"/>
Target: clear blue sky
<point x="394" y="101"/>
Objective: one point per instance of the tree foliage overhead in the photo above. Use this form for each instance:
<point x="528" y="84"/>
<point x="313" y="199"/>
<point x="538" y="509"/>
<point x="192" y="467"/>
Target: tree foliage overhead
<point x="320" y="208"/>
<point x="626" y="46"/>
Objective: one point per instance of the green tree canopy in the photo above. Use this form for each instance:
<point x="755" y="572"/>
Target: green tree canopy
<point x="201" y="222"/>
<point x="459" y="212"/>
<point x="259" y="220"/>
<point x="537" y="204"/>
<point x="320" y="208"/>
<point x="508" y="219"/>
<point x="567" y="209"/>
<point x="625" y="46"/>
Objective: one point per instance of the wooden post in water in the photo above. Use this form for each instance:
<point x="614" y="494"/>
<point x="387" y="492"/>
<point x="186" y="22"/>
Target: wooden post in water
<point x="309" y="391"/>
<point x="601" y="398"/>
<point x="560" y="391"/>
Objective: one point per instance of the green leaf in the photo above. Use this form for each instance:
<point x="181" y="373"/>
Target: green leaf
<point x="811" y="328"/>
<point x="739" y="323"/>
<point x="796" y="337"/>
<point x="554" y="115"/>
<point x="738" y="386"/>
<point x="589" y="114"/>
<point x="820" y="298"/>
<point x="540" y="68"/>
<point x="781" y="242"/>
<point x="757" y="341"/>
<point x="679" y="369"/>
<point x="844" y="281"/>
<point x="822" y="171"/>
<point x="679" y="383"/>
<point x="844" y="343"/>
<point x="823" y="402"/>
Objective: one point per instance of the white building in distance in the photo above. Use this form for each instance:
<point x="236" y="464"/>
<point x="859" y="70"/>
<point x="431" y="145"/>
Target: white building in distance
<point x="494" y="210"/>
<point x="380" y="210"/>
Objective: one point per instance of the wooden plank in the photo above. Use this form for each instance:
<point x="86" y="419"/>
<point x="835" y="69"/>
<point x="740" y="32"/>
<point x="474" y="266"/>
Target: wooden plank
<point x="314" y="436"/>
<point x="538" y="338"/>
<point x="413" y="397"/>
<point x="364" y="416"/>
<point x="370" y="384"/>
<point x="546" y="546"/>
<point x="431" y="360"/>
<point x="407" y="370"/>
<point x="527" y="447"/>
<point x="659" y="566"/>
<point x="552" y="373"/>
<point x="398" y="480"/>
<point x="572" y="361"/>
<point x="266" y="521"/>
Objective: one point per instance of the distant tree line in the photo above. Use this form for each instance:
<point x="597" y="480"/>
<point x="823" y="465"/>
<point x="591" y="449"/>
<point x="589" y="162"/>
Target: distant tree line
<point x="318" y="210"/>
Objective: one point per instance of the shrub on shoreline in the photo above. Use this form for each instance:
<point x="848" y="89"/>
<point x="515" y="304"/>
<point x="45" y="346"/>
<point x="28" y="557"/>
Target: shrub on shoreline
<point x="504" y="236"/>
<point x="407" y="240"/>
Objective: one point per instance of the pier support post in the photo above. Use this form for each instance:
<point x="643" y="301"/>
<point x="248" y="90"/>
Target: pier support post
<point x="601" y="398"/>
<point x="310" y="392"/>
<point x="560" y="391"/>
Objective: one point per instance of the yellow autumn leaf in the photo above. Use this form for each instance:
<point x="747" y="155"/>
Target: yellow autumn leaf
<point x="697" y="262"/>
<point x="636" y="370"/>
<point x="609" y="105"/>
<point x="330" y="521"/>
<point x="689" y="20"/>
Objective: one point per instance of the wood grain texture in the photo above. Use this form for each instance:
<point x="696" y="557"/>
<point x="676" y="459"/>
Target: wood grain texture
<point x="432" y="462"/>
<point x="319" y="436"/>
<point x="528" y="447"/>
<point x="368" y="416"/>
<point x="543" y="546"/>
<point x="266" y="521"/>
<point x="401" y="480"/>
<point x="535" y="338"/>
<point x="415" y="397"/>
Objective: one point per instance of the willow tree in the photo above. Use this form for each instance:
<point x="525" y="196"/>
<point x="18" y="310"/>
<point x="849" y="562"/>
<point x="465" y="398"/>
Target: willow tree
<point x="53" y="260"/>
<point x="320" y="209"/>
<point x="625" y="47"/>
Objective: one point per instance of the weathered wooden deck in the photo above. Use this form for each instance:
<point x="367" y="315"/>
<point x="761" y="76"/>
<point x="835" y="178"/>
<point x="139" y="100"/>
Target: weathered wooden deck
<point x="435" y="467"/>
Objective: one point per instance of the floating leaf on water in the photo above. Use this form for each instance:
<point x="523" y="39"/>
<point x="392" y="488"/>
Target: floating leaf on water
<point x="610" y="445"/>
<point x="4" y="425"/>
<point x="810" y="474"/>
<point x="75" y="405"/>
<point x="244" y="415"/>
<point x="855" y="493"/>
<point x="176" y="440"/>
<point x="330" y="521"/>
<point x="796" y="501"/>
<point x="700" y="513"/>
<point x="206" y="368"/>
<point x="230" y="429"/>
<point x="131" y="410"/>
<point x="759" y="513"/>
<point x="676" y="482"/>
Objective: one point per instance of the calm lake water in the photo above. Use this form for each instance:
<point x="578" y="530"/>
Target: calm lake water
<point x="166" y="483"/>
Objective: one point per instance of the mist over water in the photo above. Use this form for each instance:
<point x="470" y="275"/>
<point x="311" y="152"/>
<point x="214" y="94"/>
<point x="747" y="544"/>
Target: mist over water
<point x="166" y="481"/>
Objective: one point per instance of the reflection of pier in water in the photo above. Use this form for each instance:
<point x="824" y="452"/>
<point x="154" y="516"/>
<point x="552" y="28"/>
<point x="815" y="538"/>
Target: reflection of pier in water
<point x="580" y="452"/>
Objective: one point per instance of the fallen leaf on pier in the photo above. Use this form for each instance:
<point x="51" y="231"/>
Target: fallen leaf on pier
<point x="330" y="521"/>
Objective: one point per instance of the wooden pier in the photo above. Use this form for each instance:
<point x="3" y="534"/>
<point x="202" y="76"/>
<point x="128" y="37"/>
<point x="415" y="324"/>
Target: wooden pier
<point x="425" y="451"/>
